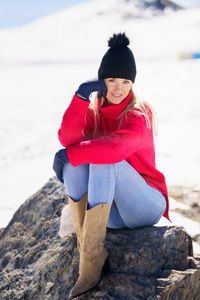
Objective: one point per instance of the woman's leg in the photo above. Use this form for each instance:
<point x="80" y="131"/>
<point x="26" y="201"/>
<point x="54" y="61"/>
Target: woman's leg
<point x="101" y="189"/>
<point x="138" y="204"/>
<point x="76" y="184"/>
<point x="76" y="180"/>
<point x="93" y="254"/>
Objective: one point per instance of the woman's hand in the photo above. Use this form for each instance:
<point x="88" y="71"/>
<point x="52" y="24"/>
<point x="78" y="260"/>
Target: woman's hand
<point x="86" y="88"/>
<point x="60" y="159"/>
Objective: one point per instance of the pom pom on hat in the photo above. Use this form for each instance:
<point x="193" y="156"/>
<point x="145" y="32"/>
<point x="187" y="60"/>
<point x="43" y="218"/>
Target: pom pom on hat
<point x="118" y="61"/>
<point x="118" y="40"/>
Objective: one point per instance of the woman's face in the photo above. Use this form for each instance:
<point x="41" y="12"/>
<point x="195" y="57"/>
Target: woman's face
<point x="118" y="89"/>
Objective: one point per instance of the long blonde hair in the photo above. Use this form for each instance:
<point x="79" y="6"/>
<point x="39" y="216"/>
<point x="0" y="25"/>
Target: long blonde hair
<point x="140" y="107"/>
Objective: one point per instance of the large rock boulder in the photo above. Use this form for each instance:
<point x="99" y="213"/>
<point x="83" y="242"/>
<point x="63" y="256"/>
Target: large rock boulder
<point x="146" y="263"/>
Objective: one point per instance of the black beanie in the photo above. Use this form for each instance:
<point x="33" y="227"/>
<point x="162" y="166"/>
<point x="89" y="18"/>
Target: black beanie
<point x="118" y="61"/>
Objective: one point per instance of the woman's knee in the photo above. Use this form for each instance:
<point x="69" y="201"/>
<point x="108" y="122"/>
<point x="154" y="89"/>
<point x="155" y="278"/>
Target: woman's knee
<point x="76" y="180"/>
<point x="100" y="168"/>
<point x="71" y="172"/>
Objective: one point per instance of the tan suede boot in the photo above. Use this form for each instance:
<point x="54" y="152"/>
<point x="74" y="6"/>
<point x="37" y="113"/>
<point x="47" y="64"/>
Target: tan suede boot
<point x="78" y="210"/>
<point x="92" y="254"/>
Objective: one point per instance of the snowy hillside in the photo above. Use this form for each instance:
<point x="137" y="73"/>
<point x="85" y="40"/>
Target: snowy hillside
<point x="42" y="64"/>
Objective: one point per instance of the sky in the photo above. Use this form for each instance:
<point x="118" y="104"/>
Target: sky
<point x="20" y="12"/>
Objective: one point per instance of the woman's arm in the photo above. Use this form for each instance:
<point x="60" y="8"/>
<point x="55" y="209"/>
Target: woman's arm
<point x="73" y="122"/>
<point x="110" y="149"/>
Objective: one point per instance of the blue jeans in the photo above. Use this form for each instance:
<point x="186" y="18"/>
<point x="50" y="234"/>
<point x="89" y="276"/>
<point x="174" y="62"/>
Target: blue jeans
<point x="138" y="204"/>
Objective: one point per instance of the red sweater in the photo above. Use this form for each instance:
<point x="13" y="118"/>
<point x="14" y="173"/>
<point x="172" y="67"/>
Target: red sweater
<point x="133" y="142"/>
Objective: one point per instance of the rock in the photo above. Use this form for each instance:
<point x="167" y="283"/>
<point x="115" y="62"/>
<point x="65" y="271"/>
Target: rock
<point x="146" y="263"/>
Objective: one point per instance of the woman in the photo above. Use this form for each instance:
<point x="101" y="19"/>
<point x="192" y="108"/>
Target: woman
<point x="108" y="164"/>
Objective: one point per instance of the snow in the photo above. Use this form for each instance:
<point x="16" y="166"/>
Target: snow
<point x="43" y="63"/>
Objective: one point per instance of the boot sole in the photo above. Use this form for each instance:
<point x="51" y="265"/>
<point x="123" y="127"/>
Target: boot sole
<point x="105" y="270"/>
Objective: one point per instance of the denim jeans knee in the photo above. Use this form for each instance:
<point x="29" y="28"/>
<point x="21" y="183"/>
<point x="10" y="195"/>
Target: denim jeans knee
<point x="101" y="184"/>
<point x="76" y="180"/>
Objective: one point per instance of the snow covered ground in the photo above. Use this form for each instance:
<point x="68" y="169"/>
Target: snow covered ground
<point x="42" y="64"/>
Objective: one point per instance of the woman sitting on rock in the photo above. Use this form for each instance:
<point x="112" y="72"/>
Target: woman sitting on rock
<point x="108" y="163"/>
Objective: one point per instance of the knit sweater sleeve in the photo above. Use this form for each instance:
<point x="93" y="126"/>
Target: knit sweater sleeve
<point x="71" y="129"/>
<point x="110" y="149"/>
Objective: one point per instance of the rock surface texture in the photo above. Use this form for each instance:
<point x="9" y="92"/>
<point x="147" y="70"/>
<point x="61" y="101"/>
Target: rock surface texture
<point x="146" y="263"/>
